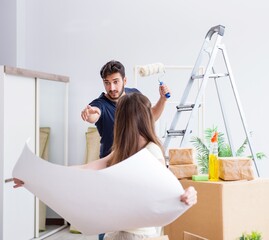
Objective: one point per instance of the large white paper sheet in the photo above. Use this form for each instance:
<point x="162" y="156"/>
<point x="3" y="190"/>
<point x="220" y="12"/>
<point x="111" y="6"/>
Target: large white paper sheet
<point x="138" y="192"/>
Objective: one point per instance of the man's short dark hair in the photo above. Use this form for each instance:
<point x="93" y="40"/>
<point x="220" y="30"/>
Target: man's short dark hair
<point x="112" y="67"/>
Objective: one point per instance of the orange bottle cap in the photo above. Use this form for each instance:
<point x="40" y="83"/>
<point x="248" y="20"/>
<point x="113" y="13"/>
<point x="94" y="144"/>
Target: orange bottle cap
<point x="215" y="137"/>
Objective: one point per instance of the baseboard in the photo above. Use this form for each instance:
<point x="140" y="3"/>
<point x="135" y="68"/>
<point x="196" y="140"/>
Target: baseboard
<point x="54" y="221"/>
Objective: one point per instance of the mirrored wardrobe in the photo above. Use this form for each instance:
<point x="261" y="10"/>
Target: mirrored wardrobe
<point x="33" y="105"/>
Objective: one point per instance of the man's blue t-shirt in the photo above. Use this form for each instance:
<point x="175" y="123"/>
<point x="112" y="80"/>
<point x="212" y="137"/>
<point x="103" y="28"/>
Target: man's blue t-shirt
<point x="105" y="124"/>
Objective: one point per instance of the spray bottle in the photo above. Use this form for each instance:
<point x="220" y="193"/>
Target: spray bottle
<point x="213" y="164"/>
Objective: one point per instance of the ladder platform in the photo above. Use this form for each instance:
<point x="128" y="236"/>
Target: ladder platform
<point x="176" y="132"/>
<point x="215" y="75"/>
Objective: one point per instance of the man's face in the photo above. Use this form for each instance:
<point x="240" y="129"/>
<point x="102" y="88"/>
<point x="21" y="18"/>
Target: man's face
<point x="114" y="85"/>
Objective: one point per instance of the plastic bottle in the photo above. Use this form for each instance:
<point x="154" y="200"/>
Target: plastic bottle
<point x="213" y="164"/>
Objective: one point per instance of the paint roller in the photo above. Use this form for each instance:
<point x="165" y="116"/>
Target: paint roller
<point x="150" y="69"/>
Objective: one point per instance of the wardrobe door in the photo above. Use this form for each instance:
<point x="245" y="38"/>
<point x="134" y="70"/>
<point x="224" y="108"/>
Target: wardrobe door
<point x="52" y="119"/>
<point x="19" y="125"/>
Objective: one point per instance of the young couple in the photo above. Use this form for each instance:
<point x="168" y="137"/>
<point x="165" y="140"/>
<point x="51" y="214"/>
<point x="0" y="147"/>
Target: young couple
<point x="132" y="131"/>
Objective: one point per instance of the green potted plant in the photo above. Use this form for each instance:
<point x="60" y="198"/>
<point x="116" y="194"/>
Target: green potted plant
<point x="251" y="236"/>
<point x="224" y="150"/>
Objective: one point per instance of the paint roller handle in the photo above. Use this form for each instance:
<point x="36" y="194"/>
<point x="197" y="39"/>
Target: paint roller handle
<point x="167" y="95"/>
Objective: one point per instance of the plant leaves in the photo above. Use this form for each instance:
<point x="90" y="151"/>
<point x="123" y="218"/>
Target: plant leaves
<point x="224" y="149"/>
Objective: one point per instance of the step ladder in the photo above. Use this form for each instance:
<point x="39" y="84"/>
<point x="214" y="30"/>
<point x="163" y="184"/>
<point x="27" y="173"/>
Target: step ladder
<point x="210" y="49"/>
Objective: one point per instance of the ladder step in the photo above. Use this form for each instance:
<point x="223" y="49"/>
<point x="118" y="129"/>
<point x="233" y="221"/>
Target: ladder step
<point x="215" y="75"/>
<point x="218" y="75"/>
<point x="176" y="132"/>
<point x="188" y="107"/>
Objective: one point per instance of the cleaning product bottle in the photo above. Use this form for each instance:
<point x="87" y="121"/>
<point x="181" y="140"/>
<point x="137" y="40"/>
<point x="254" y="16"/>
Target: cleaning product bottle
<point x="213" y="164"/>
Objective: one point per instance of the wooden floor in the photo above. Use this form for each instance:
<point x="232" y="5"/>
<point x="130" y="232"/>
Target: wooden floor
<point x="66" y="235"/>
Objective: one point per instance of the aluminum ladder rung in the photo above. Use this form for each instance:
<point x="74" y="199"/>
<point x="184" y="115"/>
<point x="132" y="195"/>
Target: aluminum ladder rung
<point x="176" y="133"/>
<point x="188" y="107"/>
<point x="215" y="75"/>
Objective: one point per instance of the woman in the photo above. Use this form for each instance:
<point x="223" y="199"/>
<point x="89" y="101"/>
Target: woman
<point x="133" y="131"/>
<point x="133" y="118"/>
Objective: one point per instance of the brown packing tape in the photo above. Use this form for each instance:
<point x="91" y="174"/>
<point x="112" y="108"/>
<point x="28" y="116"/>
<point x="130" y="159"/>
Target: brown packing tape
<point x="236" y="168"/>
<point x="190" y="236"/>
<point x="164" y="237"/>
<point x="184" y="171"/>
<point x="181" y="156"/>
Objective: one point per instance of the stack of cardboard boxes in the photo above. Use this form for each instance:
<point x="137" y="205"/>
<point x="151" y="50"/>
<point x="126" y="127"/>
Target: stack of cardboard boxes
<point x="181" y="162"/>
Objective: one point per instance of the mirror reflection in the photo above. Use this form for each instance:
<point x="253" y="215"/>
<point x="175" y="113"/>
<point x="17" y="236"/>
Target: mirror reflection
<point x="52" y="141"/>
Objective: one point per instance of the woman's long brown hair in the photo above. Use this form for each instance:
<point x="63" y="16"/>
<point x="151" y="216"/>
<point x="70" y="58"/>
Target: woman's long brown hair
<point x="133" y="118"/>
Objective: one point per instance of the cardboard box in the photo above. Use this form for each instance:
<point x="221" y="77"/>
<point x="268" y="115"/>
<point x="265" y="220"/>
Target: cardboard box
<point x="224" y="210"/>
<point x="184" y="171"/>
<point x="179" y="156"/>
<point x="235" y="168"/>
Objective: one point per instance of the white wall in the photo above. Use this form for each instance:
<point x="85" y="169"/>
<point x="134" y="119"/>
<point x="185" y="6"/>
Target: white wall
<point x="76" y="38"/>
<point x="8" y="46"/>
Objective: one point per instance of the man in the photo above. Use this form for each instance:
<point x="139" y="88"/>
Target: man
<point x="101" y="111"/>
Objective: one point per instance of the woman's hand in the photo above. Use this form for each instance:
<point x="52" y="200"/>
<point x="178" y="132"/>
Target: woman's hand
<point x="17" y="182"/>
<point x="189" y="197"/>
